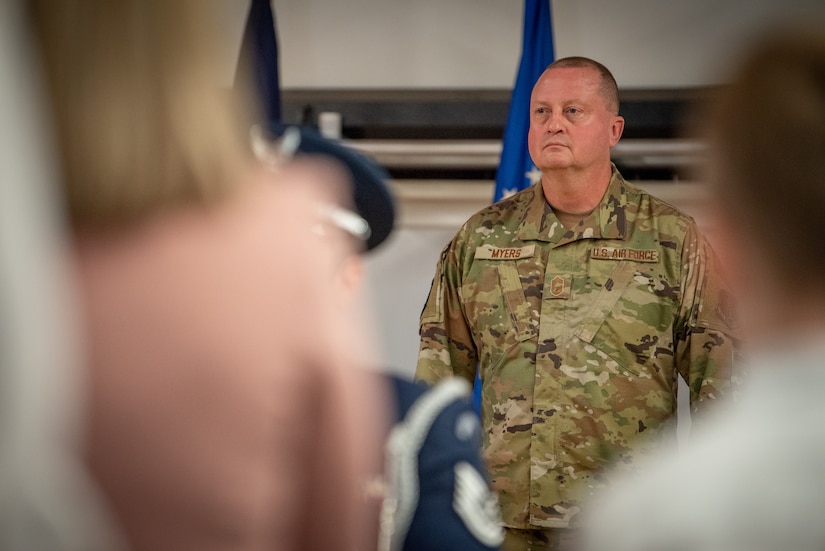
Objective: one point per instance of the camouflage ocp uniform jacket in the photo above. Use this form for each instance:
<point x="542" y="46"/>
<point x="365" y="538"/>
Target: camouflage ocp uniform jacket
<point x="579" y="335"/>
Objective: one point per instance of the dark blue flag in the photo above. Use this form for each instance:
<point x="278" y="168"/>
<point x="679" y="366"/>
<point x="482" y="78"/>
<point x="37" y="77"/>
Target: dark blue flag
<point x="259" y="52"/>
<point x="516" y="170"/>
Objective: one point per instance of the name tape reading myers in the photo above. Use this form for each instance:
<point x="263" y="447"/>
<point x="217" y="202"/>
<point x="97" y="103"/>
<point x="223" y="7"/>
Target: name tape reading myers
<point x="488" y="252"/>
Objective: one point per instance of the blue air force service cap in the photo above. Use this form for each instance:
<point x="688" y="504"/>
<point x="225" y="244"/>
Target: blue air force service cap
<point x="371" y="195"/>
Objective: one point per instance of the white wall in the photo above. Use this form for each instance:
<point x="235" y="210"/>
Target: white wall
<point x="477" y="43"/>
<point x="668" y="43"/>
<point x="398" y="278"/>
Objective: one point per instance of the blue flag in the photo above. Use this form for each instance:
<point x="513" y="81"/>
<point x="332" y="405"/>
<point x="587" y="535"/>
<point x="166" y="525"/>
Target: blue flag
<point x="259" y="51"/>
<point x="516" y="170"/>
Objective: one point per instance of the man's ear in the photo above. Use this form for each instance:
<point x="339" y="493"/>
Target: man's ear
<point x="616" y="130"/>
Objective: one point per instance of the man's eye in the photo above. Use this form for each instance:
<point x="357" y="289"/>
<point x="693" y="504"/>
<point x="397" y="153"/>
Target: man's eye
<point x="573" y="110"/>
<point x="541" y="110"/>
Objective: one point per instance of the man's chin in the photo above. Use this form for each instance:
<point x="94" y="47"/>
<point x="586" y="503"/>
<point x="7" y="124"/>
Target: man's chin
<point x="556" y="164"/>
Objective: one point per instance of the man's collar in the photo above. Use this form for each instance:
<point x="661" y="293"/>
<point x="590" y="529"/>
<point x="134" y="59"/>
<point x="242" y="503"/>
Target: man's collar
<point x="534" y="223"/>
<point x="607" y="221"/>
<point x="613" y="208"/>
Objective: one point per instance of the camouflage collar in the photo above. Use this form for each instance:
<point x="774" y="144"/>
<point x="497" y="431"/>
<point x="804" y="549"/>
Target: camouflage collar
<point x="607" y="221"/>
<point x="613" y="208"/>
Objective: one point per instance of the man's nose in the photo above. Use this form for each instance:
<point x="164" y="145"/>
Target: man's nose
<point x="553" y="124"/>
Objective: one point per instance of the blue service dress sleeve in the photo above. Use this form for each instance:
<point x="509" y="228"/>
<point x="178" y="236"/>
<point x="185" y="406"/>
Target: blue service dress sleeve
<point x="439" y="497"/>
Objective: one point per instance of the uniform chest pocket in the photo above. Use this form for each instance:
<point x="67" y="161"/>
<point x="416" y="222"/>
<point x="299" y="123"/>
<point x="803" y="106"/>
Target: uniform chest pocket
<point x="519" y="309"/>
<point x="630" y="319"/>
<point x="502" y="295"/>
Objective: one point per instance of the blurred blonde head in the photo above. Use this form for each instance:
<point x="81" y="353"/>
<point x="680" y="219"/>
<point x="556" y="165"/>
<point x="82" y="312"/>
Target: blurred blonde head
<point x="767" y="137"/>
<point x="141" y="119"/>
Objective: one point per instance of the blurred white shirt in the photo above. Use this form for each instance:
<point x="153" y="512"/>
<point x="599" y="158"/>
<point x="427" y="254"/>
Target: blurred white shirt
<point x="753" y="481"/>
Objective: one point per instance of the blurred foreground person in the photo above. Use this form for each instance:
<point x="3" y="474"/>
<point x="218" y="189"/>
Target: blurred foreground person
<point x="755" y="481"/>
<point x="220" y="414"/>
<point x="431" y="492"/>
<point x="47" y="502"/>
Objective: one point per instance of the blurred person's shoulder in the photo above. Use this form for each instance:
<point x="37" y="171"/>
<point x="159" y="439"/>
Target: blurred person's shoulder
<point x="440" y="497"/>
<point x="646" y="210"/>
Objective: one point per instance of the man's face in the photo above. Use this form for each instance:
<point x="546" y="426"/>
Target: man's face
<point x="570" y="124"/>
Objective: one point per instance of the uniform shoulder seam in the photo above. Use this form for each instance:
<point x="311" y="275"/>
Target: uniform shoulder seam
<point x="659" y="203"/>
<point x="515" y="201"/>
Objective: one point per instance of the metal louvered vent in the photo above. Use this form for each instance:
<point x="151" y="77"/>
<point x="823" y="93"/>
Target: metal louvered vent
<point x="456" y="134"/>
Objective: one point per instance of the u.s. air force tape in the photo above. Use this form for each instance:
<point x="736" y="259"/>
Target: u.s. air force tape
<point x="617" y="253"/>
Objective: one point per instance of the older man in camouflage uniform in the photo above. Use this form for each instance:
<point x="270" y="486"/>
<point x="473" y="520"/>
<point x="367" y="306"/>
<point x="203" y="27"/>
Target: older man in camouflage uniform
<point x="581" y="299"/>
